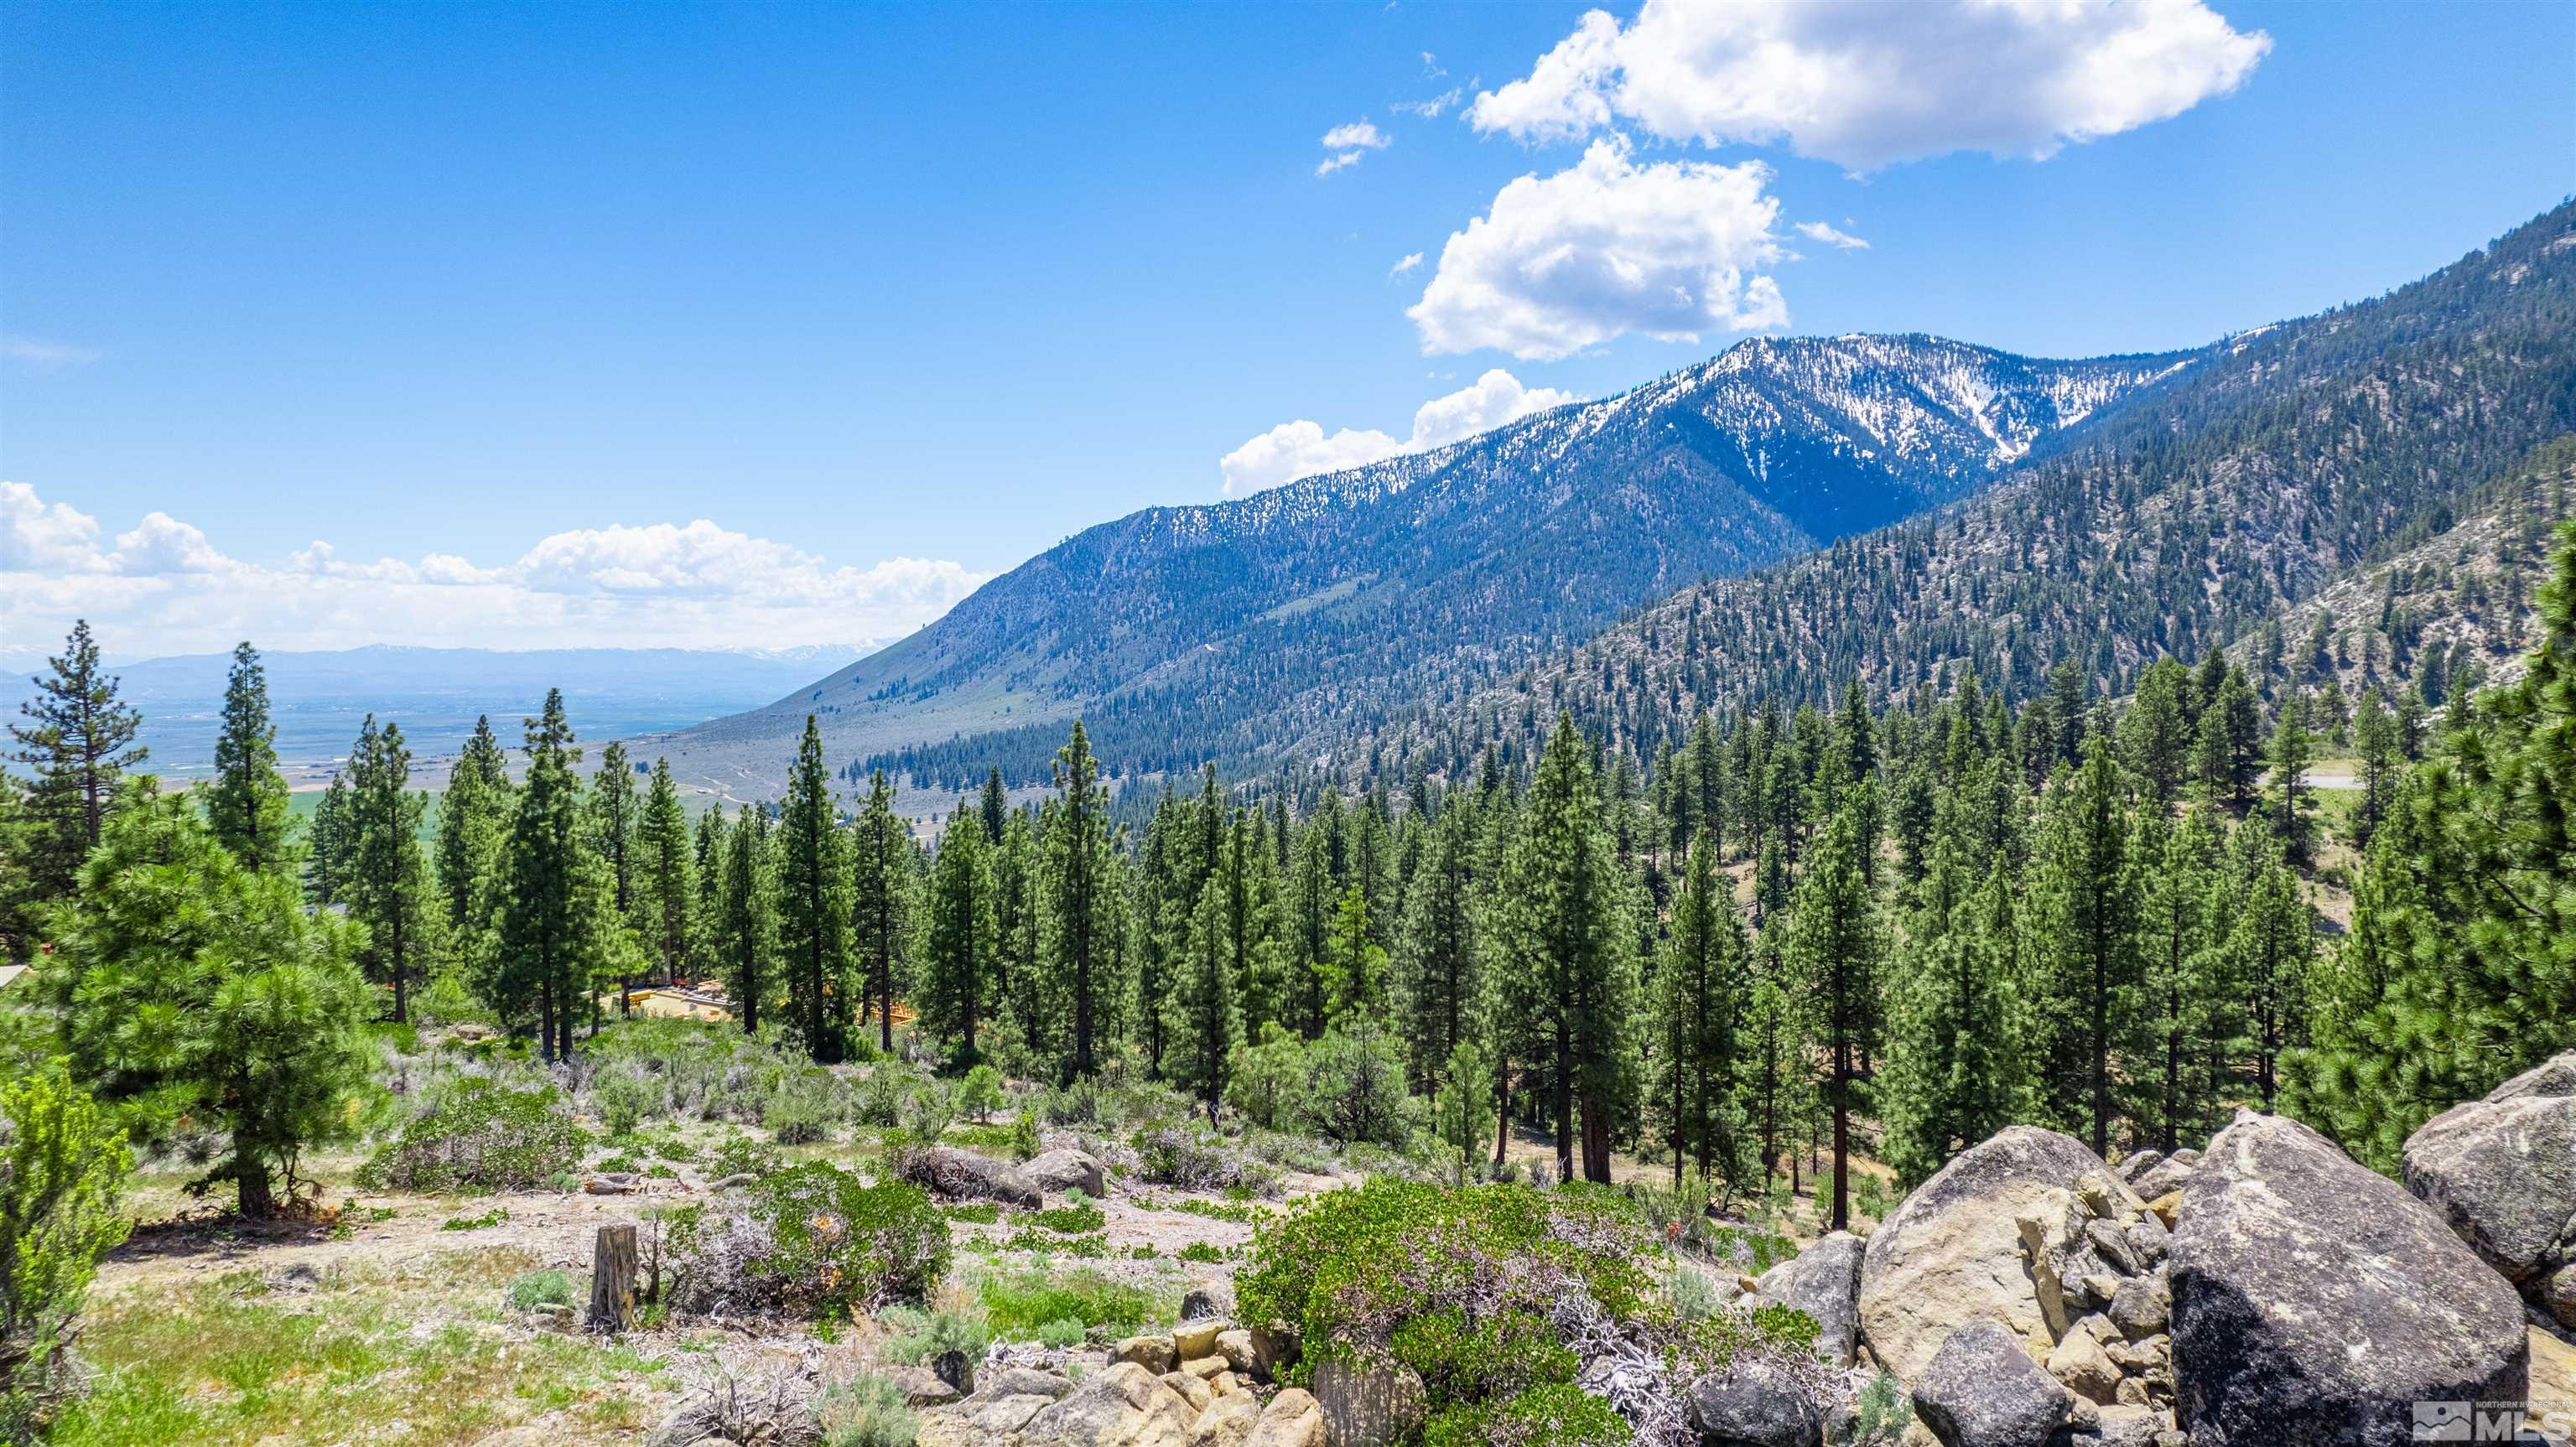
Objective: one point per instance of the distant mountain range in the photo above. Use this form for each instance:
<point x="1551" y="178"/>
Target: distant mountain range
<point x="321" y="698"/>
<point x="1237" y="630"/>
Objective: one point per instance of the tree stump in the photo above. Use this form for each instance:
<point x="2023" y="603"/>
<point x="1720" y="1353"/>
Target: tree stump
<point x="612" y="1279"/>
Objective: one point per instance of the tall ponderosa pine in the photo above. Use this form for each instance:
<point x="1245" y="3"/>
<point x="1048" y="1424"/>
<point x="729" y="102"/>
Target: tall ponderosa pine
<point x="327" y="857"/>
<point x="388" y="888"/>
<point x="2084" y="909"/>
<point x="549" y="945"/>
<point x="1834" y="945"/>
<point x="814" y="904"/>
<point x="1440" y="982"/>
<point x="746" y="917"/>
<point x="246" y="805"/>
<point x="78" y="743"/>
<point x="881" y="870"/>
<point x="666" y="883"/>
<point x="1566" y="952"/>
<point x="1702" y="986"/>
<point x="615" y="816"/>
<point x="1207" y="1025"/>
<point x="957" y="960"/>
<point x="1079" y="895"/>
<point x="473" y="835"/>
<point x="2187" y="1015"/>
<point x="1957" y="1069"/>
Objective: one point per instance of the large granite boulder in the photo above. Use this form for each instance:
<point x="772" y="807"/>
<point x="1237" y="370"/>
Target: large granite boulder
<point x="2166" y="1176"/>
<point x="1125" y="1406"/>
<point x="1066" y="1169"/>
<point x="1981" y="1389"/>
<point x="2315" y="1301"/>
<point x="1824" y="1282"/>
<point x="954" y="1174"/>
<point x="1755" y="1402"/>
<point x="1974" y="1242"/>
<point x="2502" y="1171"/>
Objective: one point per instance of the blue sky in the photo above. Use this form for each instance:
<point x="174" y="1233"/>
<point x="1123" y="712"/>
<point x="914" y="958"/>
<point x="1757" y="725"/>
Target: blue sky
<point x="492" y="292"/>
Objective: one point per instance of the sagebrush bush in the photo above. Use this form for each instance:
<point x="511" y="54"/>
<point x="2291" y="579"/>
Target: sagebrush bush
<point x="1481" y="1291"/>
<point x="866" y="1411"/>
<point x="539" y="1288"/>
<point x="814" y="1239"/>
<point x="479" y="1132"/>
<point x="741" y="1155"/>
<point x="918" y="1335"/>
<point x="1195" y="1158"/>
<point x="624" y="1097"/>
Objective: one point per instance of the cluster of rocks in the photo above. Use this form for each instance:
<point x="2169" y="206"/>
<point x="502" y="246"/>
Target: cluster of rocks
<point x="1204" y="1383"/>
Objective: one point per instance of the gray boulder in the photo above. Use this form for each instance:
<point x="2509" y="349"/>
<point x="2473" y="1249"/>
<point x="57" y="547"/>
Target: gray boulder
<point x="950" y="1172"/>
<point x="1066" y="1169"/>
<point x="1982" y="1389"/>
<point x="2143" y="1306"/>
<point x="2136" y="1164"/>
<point x="1992" y="1237"/>
<point x="2502" y="1171"/>
<point x="2315" y="1301"/>
<point x="2167" y="1176"/>
<point x="1824" y="1282"/>
<point x="1755" y="1402"/>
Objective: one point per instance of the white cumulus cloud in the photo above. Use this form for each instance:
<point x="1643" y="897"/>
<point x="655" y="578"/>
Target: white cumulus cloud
<point x="1825" y="232"/>
<point x="1672" y="249"/>
<point x="1302" y="448"/>
<point x="1349" y="142"/>
<point x="165" y="588"/>
<point x="1864" y="83"/>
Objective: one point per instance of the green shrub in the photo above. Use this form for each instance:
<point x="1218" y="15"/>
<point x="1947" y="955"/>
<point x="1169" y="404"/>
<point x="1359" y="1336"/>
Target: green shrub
<point x="978" y="1213"/>
<point x="929" y="1111"/>
<point x="493" y="1217"/>
<point x="879" y="1099"/>
<point x="741" y="1155"/>
<point x="1022" y="1302"/>
<point x="623" y="1097"/>
<point x="1074" y="1218"/>
<point x="479" y="1133"/>
<point x="539" y="1288"/>
<point x="1079" y="1103"/>
<point x="1046" y="1244"/>
<point x="1882" y="1414"/>
<point x="1197" y="1159"/>
<point x="63" y="1166"/>
<point x="1461" y="1287"/>
<point x="1060" y="1333"/>
<point x="1201" y="1251"/>
<point x="866" y="1411"/>
<point x="817" y="1240"/>
<point x="1024" y="1137"/>
<point x="1558" y="1414"/>
<point x="915" y="1336"/>
<point x="800" y="1105"/>
<point x="980" y="1093"/>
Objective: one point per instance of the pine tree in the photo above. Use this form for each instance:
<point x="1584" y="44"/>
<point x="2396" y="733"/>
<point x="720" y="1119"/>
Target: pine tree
<point x="996" y="806"/>
<point x="2181" y="996"/>
<point x="2374" y="737"/>
<point x="1702" y="987"/>
<point x="388" y="888"/>
<point x="2084" y="909"/>
<point x="1566" y="951"/>
<point x="327" y="861"/>
<point x="2290" y="798"/>
<point x="1037" y="1006"/>
<point x="1438" y="965"/>
<point x="666" y="878"/>
<point x="1355" y="967"/>
<point x="2155" y="732"/>
<point x="614" y="814"/>
<point x="1310" y="933"/>
<point x="1834" y="945"/>
<point x="1079" y="895"/>
<point x="958" y="966"/>
<point x="881" y="853"/>
<point x="246" y="804"/>
<point x="1207" y="1027"/>
<point x="813" y="874"/>
<point x="2270" y="949"/>
<point x="200" y="997"/>
<point x="546" y="945"/>
<point x="746" y="916"/>
<point x="78" y="744"/>
<point x="1957" y="1063"/>
<point x="473" y="833"/>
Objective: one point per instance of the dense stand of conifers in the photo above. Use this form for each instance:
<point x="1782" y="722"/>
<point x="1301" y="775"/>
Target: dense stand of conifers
<point x="1929" y="918"/>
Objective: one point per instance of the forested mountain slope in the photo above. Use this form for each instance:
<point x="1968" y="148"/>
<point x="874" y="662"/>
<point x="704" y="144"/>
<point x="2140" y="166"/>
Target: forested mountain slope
<point x="1232" y="629"/>
<point x="2186" y="519"/>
